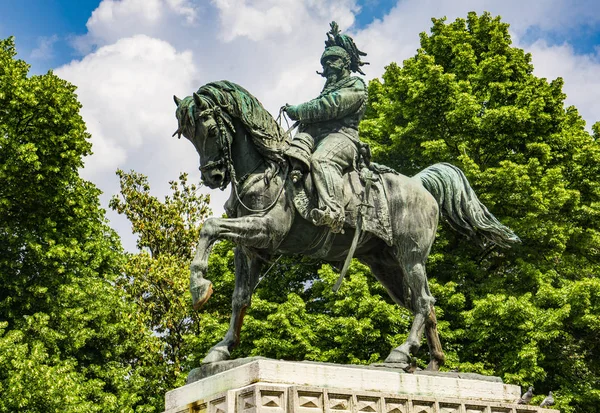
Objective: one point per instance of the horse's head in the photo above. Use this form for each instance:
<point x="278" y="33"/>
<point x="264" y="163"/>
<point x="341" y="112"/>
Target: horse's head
<point x="210" y="130"/>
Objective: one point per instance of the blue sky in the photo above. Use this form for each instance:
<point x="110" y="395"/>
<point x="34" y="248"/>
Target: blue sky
<point x="35" y="21"/>
<point x="56" y="22"/>
<point x="30" y="21"/>
<point x="128" y="57"/>
<point x="584" y="38"/>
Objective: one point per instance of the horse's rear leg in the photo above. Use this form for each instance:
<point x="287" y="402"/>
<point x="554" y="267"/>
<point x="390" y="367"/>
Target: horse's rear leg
<point x="422" y="306"/>
<point x="247" y="270"/>
<point x="389" y="273"/>
<point x="419" y="304"/>
<point x="436" y="354"/>
<point x="410" y="278"/>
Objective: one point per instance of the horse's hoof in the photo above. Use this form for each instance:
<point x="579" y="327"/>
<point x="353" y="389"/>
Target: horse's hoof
<point x="216" y="354"/>
<point x="201" y="293"/>
<point x="397" y="356"/>
<point x="433" y="365"/>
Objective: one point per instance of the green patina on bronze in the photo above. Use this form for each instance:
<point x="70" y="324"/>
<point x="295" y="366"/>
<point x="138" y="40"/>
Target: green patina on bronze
<point x="236" y="137"/>
<point x="238" y="103"/>
<point x="331" y="120"/>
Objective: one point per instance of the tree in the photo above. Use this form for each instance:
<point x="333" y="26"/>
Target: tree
<point x="67" y="342"/>
<point x="529" y="314"/>
<point x="156" y="278"/>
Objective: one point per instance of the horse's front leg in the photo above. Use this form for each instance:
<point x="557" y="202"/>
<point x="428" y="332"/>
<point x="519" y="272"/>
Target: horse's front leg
<point x="247" y="270"/>
<point x="251" y="231"/>
<point x="200" y="287"/>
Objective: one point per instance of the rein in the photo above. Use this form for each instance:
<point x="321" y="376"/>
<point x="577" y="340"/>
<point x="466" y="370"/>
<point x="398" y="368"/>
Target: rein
<point x="239" y="199"/>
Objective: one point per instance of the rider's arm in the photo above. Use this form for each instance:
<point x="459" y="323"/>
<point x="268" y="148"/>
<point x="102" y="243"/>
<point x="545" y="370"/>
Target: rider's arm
<point x="331" y="106"/>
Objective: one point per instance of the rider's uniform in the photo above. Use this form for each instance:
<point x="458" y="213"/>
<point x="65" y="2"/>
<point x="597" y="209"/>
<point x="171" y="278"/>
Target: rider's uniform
<point x="332" y="120"/>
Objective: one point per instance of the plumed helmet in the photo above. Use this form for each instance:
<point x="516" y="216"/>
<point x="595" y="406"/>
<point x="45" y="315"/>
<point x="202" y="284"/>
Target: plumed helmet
<point x="336" y="51"/>
<point x="342" y="45"/>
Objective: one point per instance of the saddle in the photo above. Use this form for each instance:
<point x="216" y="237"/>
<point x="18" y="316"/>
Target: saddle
<point x="375" y="216"/>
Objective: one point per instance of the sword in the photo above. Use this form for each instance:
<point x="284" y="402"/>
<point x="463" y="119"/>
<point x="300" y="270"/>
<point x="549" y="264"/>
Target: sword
<point x="359" y="218"/>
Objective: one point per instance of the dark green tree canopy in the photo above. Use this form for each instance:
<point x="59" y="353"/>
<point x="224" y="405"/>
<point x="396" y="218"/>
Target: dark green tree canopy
<point x="66" y="341"/>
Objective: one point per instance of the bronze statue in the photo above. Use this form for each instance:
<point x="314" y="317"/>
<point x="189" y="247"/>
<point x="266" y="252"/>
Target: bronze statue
<point x="270" y="211"/>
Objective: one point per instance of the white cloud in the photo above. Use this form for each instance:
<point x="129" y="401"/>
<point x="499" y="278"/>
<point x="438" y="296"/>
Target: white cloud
<point x="118" y="19"/>
<point x="148" y="50"/>
<point x="580" y="72"/>
<point x="258" y="19"/>
<point x="126" y="90"/>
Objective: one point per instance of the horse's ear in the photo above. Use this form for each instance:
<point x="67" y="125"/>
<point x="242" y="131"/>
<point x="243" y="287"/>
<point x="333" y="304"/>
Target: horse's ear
<point x="177" y="100"/>
<point x="199" y="102"/>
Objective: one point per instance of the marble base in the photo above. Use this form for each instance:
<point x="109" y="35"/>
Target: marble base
<point x="274" y="386"/>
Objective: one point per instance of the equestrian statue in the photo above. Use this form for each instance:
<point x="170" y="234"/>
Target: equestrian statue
<point x="318" y="194"/>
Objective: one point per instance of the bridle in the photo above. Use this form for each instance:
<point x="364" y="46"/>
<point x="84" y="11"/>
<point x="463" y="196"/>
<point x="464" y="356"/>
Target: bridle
<point x="224" y="141"/>
<point x="212" y="164"/>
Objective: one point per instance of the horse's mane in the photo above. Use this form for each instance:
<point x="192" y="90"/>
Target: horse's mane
<point x="268" y="137"/>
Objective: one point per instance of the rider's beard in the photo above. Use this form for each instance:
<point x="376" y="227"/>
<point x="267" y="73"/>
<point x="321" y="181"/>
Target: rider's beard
<point x="332" y="75"/>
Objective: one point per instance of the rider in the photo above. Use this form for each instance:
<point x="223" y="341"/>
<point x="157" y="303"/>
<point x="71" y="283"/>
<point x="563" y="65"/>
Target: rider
<point x="329" y="123"/>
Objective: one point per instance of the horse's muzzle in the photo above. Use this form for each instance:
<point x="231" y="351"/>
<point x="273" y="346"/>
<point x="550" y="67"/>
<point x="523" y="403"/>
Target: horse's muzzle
<point x="214" y="177"/>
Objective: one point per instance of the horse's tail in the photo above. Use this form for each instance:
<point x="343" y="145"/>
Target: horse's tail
<point x="461" y="207"/>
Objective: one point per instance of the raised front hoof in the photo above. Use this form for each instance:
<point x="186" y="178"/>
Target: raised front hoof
<point x="397" y="356"/>
<point x="215" y="354"/>
<point x="201" y="293"/>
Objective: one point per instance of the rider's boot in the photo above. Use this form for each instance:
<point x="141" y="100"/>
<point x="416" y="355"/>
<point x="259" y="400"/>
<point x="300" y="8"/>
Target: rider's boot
<point x="327" y="179"/>
<point x="327" y="217"/>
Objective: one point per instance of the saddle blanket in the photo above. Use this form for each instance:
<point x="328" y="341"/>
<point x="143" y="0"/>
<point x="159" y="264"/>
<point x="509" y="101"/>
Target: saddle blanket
<point x="375" y="218"/>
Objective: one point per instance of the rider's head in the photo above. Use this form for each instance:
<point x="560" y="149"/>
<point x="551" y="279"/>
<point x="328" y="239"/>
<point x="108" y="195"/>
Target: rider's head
<point x="341" y="46"/>
<point x="336" y="51"/>
<point x="336" y="62"/>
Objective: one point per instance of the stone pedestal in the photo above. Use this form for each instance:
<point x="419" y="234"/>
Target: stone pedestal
<point x="274" y="386"/>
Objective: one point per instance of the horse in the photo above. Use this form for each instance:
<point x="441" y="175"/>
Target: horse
<point x="241" y="145"/>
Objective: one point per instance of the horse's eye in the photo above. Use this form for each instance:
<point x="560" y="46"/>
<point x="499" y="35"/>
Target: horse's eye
<point x="212" y="131"/>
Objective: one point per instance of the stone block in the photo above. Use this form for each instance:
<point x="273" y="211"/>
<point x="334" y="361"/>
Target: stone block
<point x="274" y="386"/>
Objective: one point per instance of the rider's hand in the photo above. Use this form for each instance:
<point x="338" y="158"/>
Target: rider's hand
<point x="291" y="111"/>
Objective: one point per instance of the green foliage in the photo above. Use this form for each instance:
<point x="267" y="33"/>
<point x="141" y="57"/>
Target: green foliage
<point x="529" y="314"/>
<point x="67" y="342"/>
<point x="356" y="325"/>
<point x="164" y="228"/>
<point x="156" y="279"/>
